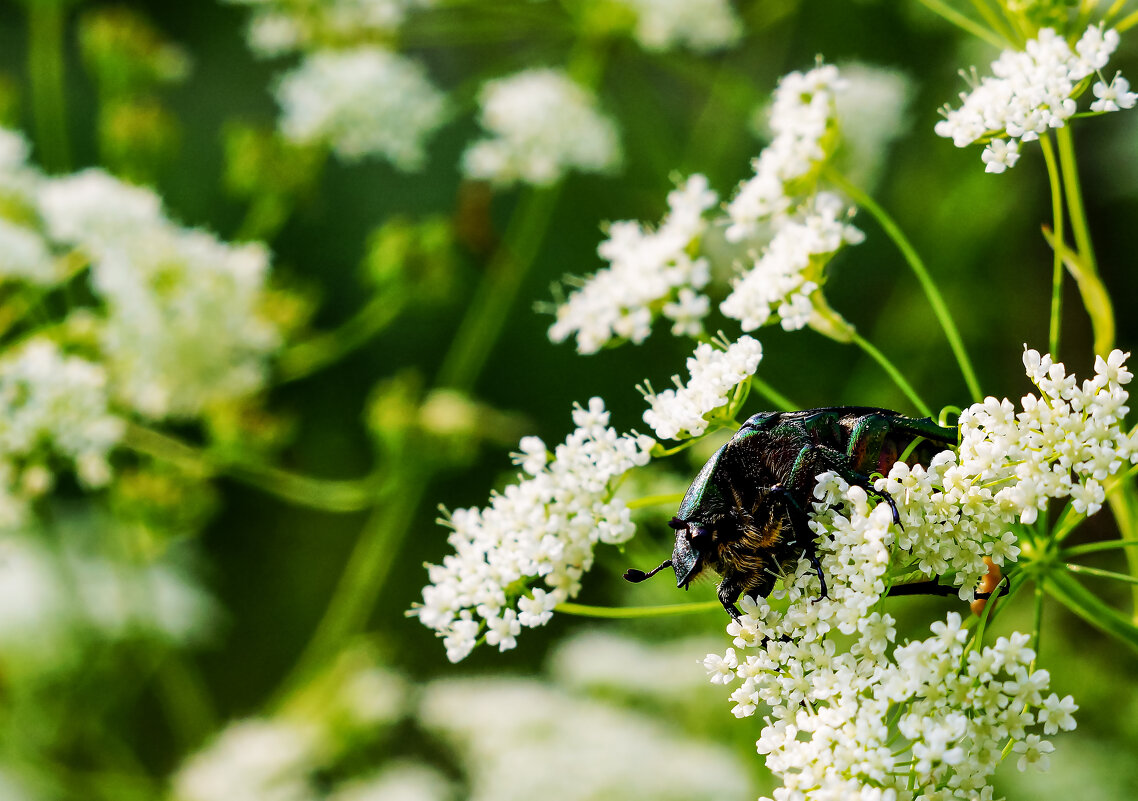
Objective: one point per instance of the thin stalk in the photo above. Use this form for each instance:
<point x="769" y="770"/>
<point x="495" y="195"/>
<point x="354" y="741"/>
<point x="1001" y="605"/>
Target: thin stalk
<point x="994" y="22"/>
<point x="1095" y="547"/>
<point x="1075" y="197"/>
<point x="780" y="401"/>
<point x="627" y="612"/>
<point x="329" y="495"/>
<point x="313" y="355"/>
<point x="482" y="325"/>
<point x="1096" y="571"/>
<point x="964" y="22"/>
<point x="917" y="265"/>
<point x="655" y="500"/>
<point x="46" y="20"/>
<point x="1057" y="260"/>
<point x="893" y="373"/>
<point x="1127" y="22"/>
<point x="1038" y="617"/>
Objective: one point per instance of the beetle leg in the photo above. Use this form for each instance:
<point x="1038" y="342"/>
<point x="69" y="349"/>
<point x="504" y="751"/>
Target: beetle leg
<point x="815" y="459"/>
<point x="728" y="594"/>
<point x="813" y="557"/>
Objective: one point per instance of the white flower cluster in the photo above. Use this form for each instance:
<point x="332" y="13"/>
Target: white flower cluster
<point x="789" y="270"/>
<point x="278" y="27"/>
<point x="51" y="602"/>
<point x="183" y="327"/>
<point x="53" y="406"/>
<point x="803" y="123"/>
<point x="544" y="528"/>
<point x="541" y="125"/>
<point x="1065" y="443"/>
<point x="288" y="757"/>
<point x="1032" y="91"/>
<point x="364" y="101"/>
<point x="513" y="735"/>
<point x="649" y="271"/>
<point x="866" y="719"/>
<point x="699" y="25"/>
<point x="682" y="412"/>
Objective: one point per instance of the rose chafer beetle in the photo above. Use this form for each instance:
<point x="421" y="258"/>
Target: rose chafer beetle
<point x="744" y="517"/>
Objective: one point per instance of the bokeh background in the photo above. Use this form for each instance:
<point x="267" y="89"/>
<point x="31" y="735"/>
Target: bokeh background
<point x="272" y="567"/>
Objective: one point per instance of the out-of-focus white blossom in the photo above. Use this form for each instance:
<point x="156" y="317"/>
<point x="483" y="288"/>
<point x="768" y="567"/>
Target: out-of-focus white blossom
<point x="700" y="25"/>
<point x="802" y="121"/>
<point x="682" y="412"/>
<point x="397" y="781"/>
<point x="1032" y="91"/>
<point x="540" y="531"/>
<point x="53" y="600"/>
<point x="53" y="406"/>
<point x="873" y="110"/>
<point x="282" y="26"/>
<point x="542" y="124"/>
<point x="183" y="326"/>
<point x="649" y="272"/>
<point x="362" y="102"/>
<point x="24" y="255"/>
<point x="512" y="736"/>
<point x="253" y="760"/>
<point x="790" y="269"/>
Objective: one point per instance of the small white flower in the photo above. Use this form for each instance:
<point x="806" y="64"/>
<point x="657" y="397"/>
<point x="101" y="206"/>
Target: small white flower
<point x="1115" y="96"/>
<point x="1000" y="154"/>
<point x="1034" y="750"/>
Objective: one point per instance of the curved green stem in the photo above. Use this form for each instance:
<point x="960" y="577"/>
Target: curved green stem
<point x="1096" y="547"/>
<point x="1057" y="260"/>
<point x="1079" y="225"/>
<point x="893" y="373"/>
<point x="627" y="612"/>
<point x="917" y="265"/>
<point x="46" y="19"/>
<point x="1096" y="571"/>
<point x="310" y="356"/>
<point x="324" y="494"/>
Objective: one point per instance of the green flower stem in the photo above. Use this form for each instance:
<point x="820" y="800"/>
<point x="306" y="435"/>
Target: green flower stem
<point x="369" y="565"/>
<point x="1057" y="261"/>
<point x="1096" y="547"/>
<point x="1095" y="571"/>
<point x="627" y="612"/>
<point x="1095" y="297"/>
<point x="777" y="399"/>
<point x="655" y="500"/>
<point x="310" y="356"/>
<point x="1127" y="22"/>
<point x="1037" y="626"/>
<point x="994" y="22"/>
<point x="325" y="494"/>
<point x="482" y="325"/>
<point x="1061" y="586"/>
<point x="936" y="300"/>
<point x="963" y="22"/>
<point x="893" y="373"/>
<point x="46" y="19"/>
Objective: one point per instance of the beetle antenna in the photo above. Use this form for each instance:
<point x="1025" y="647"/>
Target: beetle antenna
<point x="637" y="576"/>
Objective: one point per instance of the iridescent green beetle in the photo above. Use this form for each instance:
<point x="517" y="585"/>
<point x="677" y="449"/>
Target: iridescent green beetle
<point x="744" y="516"/>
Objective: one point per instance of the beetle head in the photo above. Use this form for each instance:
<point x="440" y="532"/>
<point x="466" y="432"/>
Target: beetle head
<point x="693" y="543"/>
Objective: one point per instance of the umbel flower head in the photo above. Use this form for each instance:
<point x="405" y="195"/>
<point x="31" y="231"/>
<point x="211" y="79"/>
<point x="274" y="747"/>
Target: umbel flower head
<point x="863" y="716"/>
<point x="1032" y="91"/>
<point x="540" y="531"/>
